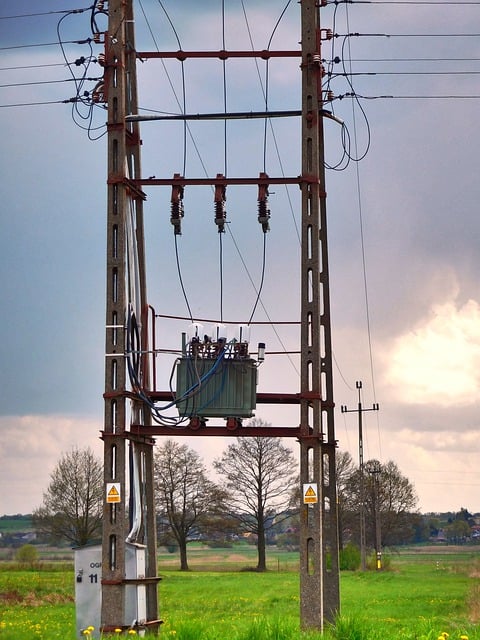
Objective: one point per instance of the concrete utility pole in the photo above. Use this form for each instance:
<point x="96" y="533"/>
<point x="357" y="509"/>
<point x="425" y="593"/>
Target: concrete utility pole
<point x="360" y="410"/>
<point x="126" y="321"/>
<point x="374" y="469"/>
<point x="129" y="583"/>
<point x="319" y="572"/>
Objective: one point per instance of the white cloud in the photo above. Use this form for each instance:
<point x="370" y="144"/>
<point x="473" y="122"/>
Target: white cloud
<point x="30" y="447"/>
<point x="443" y="467"/>
<point x="438" y="362"/>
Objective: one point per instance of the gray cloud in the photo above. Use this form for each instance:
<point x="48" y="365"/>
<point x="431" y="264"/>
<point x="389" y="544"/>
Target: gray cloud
<point x="419" y="197"/>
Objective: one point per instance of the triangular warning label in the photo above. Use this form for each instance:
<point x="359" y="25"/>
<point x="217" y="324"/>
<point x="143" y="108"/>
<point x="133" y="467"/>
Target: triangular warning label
<point x="113" y="492"/>
<point x="310" y="494"/>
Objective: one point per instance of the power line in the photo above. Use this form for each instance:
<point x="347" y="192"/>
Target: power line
<point x="415" y="59"/>
<point x="38" y="82"/>
<point x="35" y="104"/>
<point x="406" y="35"/>
<point x="46" y="44"/>
<point x="413" y="97"/>
<point x="45" y="13"/>
<point x="406" y="2"/>
<point x="32" y="66"/>
<point x="406" y="73"/>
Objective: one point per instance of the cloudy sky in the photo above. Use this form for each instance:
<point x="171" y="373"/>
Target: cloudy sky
<point x="403" y="225"/>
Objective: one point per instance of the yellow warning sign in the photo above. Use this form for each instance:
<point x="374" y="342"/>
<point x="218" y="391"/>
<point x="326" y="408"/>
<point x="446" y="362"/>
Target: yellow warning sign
<point x="310" y="495"/>
<point x="113" y="492"/>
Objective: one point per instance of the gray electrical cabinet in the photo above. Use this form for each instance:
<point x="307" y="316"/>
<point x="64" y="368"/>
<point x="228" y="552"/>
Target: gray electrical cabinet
<point x="88" y="589"/>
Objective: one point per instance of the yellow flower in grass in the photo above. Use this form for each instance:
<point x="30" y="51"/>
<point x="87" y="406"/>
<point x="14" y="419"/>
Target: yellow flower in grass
<point x="132" y="632"/>
<point x="463" y="637"/>
<point x="118" y="631"/>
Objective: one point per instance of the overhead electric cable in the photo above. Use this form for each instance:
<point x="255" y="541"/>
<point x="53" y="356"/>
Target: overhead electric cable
<point x="413" y="97"/>
<point x="44" y="13"/>
<point x="179" y="271"/>
<point x="259" y="292"/>
<point x="224" y="71"/>
<point x="407" y="73"/>
<point x="45" y="44"/>
<point x="406" y="2"/>
<point x="415" y="59"/>
<point x="184" y="97"/>
<point x="271" y="322"/>
<point x="225" y="170"/>
<point x="361" y="227"/>
<point x="406" y="35"/>
<point x="270" y="115"/>
<point x="33" y="66"/>
<point x="36" y="104"/>
<point x="39" y="82"/>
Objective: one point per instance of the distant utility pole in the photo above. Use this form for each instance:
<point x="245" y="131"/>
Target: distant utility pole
<point x="360" y="411"/>
<point x="374" y="469"/>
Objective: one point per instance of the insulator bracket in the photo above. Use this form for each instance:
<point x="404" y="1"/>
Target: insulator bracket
<point x="176" y="210"/>
<point x="263" y="210"/>
<point x="219" y="202"/>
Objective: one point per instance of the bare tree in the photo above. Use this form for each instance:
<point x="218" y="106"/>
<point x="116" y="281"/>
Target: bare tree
<point x="390" y="503"/>
<point x="73" y="503"/>
<point x="186" y="499"/>
<point x="260" y="474"/>
<point x="345" y="469"/>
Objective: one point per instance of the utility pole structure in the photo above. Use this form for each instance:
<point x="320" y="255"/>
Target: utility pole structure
<point x="129" y="397"/>
<point x="360" y="409"/>
<point x="374" y="469"/>
<point x="319" y="563"/>
<point x="129" y="582"/>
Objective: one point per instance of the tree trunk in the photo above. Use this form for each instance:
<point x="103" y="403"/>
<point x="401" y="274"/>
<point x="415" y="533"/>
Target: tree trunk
<point x="261" y="546"/>
<point x="183" y="555"/>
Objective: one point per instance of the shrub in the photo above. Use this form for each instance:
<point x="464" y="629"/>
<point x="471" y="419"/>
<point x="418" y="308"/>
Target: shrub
<point x="27" y="554"/>
<point x="350" y="558"/>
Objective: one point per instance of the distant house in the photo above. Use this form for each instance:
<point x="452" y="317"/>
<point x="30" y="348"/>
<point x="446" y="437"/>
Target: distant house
<point x="440" y="537"/>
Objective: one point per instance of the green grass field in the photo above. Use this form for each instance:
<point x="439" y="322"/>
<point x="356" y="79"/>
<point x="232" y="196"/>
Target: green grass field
<point x="422" y="596"/>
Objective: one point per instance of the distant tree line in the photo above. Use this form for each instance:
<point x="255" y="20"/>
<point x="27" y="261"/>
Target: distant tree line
<point x="257" y="497"/>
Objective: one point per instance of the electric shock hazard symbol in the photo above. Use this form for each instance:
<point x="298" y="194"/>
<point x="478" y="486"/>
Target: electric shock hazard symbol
<point x="310" y="495"/>
<point x="113" y="492"/>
